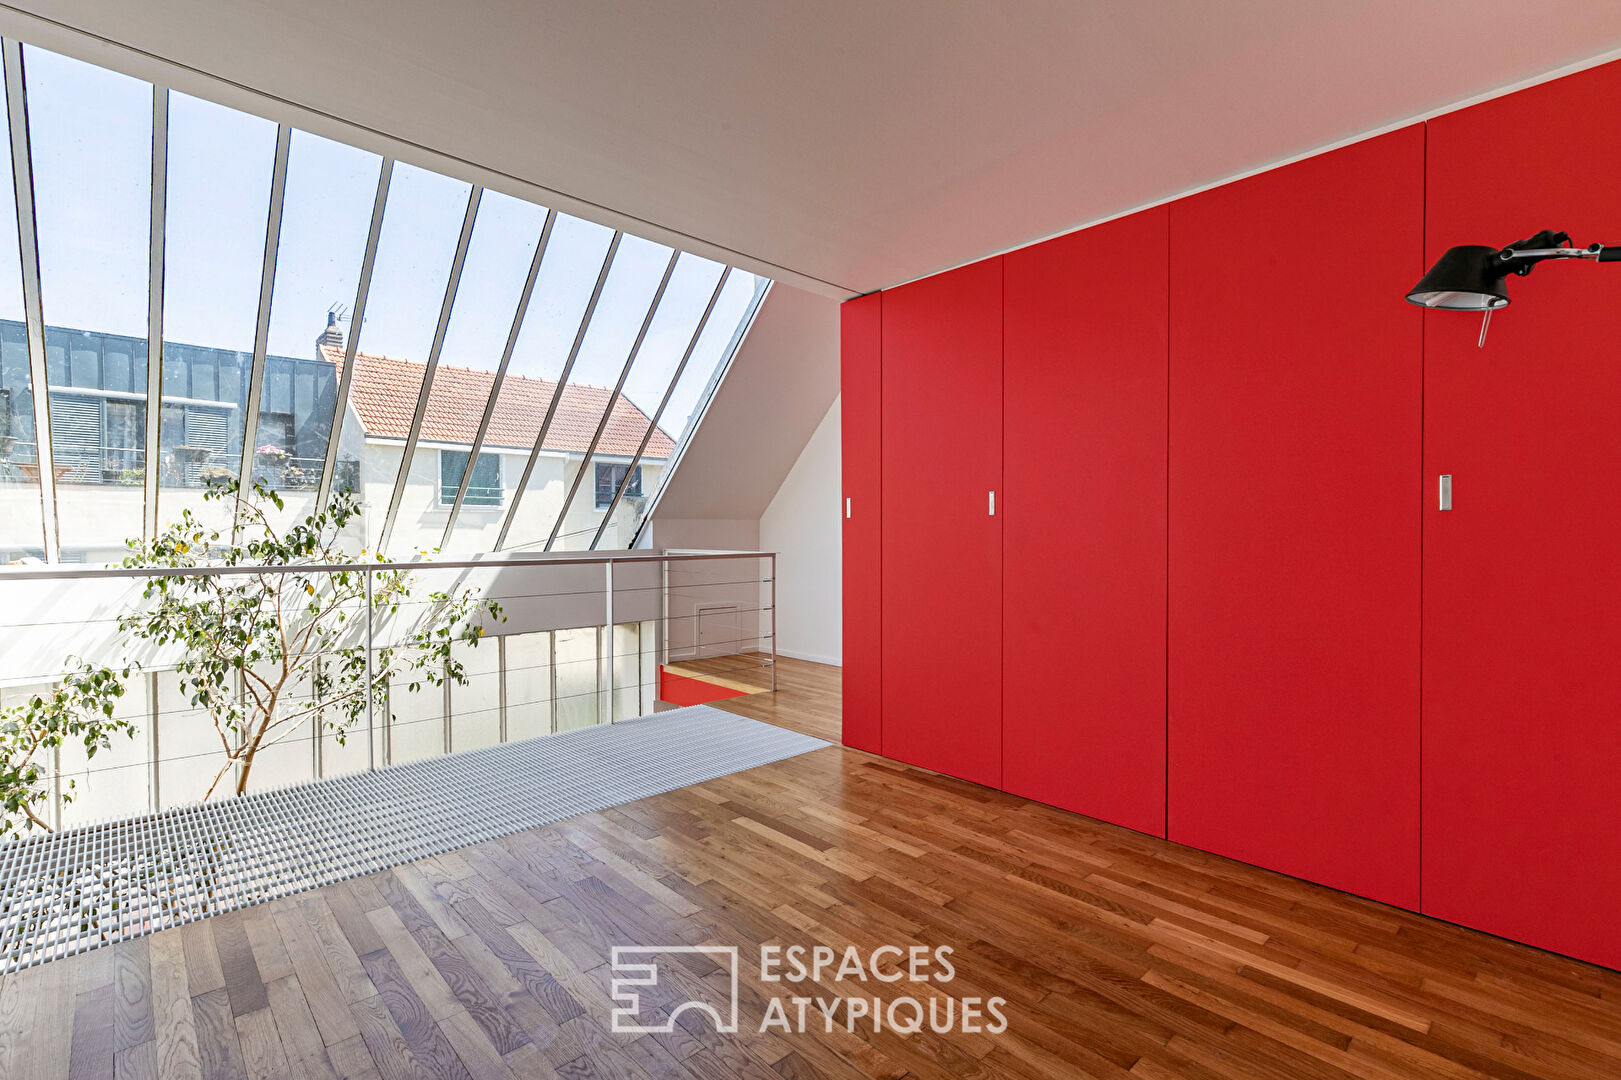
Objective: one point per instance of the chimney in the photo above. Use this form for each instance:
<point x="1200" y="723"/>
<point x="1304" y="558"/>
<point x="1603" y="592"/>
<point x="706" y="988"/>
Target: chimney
<point x="332" y="335"/>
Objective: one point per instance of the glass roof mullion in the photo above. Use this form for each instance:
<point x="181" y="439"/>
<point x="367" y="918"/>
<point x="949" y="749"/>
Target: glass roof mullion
<point x="761" y="288"/>
<point x="415" y="430"/>
<point x="154" y="306"/>
<point x="33" y="308"/>
<point x="557" y="394"/>
<point x="613" y="399"/>
<point x="356" y="318"/>
<point x="653" y="424"/>
<point x="500" y="372"/>
<point x="261" y="332"/>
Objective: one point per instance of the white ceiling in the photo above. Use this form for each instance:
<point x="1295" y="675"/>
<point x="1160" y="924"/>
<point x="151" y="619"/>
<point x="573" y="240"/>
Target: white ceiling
<point x="845" y="145"/>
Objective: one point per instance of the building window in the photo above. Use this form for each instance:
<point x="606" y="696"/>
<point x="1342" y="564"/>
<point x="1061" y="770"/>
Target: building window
<point x="484" y="489"/>
<point x="609" y="478"/>
<point x="125" y="442"/>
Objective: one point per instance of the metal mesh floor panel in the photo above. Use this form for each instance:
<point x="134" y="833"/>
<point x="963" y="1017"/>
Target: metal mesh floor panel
<point x="67" y="892"/>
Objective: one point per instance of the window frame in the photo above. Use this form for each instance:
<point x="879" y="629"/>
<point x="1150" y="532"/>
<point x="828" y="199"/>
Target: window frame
<point x="467" y="475"/>
<point x="632" y="469"/>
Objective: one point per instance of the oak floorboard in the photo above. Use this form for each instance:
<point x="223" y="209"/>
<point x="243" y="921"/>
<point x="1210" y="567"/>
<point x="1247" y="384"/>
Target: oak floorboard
<point x="139" y="1062"/>
<point x="263" y="1055"/>
<point x="93" y="1024"/>
<point x="218" y="1046"/>
<point x="321" y="992"/>
<point x="243" y="984"/>
<point x="176" y="1047"/>
<point x="132" y="993"/>
<point x="433" y="1052"/>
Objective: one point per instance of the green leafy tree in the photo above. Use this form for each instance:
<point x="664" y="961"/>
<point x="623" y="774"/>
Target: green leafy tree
<point x="266" y="653"/>
<point x="79" y="709"/>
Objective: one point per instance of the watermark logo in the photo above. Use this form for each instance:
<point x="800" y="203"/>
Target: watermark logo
<point x="640" y="966"/>
<point x="675" y="984"/>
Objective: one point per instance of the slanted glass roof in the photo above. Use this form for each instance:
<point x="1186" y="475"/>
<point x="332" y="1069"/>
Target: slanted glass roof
<point x="483" y="372"/>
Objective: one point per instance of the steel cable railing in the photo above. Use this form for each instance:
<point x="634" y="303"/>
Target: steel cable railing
<point x="566" y="656"/>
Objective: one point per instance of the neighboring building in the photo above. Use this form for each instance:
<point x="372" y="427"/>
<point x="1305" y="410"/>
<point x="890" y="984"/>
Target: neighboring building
<point x="98" y="420"/>
<point x="382" y="402"/>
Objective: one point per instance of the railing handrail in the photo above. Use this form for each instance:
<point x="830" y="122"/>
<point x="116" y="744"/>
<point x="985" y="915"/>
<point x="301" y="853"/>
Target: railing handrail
<point x="70" y="571"/>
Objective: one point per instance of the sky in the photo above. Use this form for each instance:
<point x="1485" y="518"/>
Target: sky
<point x="90" y="133"/>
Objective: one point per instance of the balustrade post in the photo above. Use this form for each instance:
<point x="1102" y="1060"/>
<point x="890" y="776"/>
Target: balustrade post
<point x="608" y="575"/>
<point x="371" y="751"/>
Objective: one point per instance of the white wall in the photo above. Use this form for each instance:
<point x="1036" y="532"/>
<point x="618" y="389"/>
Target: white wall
<point x="703" y="534"/>
<point x="763" y="461"/>
<point x="802" y="525"/>
<point x="420" y="524"/>
<point x="785" y="375"/>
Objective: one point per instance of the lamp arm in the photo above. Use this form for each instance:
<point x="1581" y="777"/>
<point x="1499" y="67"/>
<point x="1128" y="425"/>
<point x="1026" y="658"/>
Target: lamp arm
<point x="1521" y="257"/>
<point x="1538" y="254"/>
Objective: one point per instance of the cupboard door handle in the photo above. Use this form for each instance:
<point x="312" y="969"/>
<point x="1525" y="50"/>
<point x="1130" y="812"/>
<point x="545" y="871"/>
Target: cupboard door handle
<point x="993" y="504"/>
<point x="846" y="506"/>
<point x="1446" y="491"/>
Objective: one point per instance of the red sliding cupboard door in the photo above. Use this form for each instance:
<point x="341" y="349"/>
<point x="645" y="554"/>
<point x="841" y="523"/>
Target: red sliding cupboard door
<point x="942" y="548"/>
<point x="1522" y="578"/>
<point x="1083" y="526"/>
<point x="860" y="422"/>
<point x="1296" y="371"/>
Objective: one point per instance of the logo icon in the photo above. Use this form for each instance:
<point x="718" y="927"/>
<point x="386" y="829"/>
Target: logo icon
<point x="639" y="966"/>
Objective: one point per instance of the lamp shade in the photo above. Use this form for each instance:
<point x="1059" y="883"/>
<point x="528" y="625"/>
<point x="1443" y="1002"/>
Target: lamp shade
<point x="1464" y="278"/>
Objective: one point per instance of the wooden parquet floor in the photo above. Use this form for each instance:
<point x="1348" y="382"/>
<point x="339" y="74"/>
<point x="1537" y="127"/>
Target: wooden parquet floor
<point x="748" y="672"/>
<point x="1118" y="955"/>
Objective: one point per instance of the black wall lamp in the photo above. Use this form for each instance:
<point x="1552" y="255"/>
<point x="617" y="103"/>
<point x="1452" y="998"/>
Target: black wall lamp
<point x="1473" y="278"/>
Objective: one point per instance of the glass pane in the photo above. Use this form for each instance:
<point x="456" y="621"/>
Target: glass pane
<point x="691" y="393"/>
<point x="626" y="297"/>
<point x="22" y="524"/>
<point x="114" y="782"/>
<point x="346" y="756"/>
<point x="498" y="258"/>
<point x="627" y="640"/>
<point x="414" y="252"/>
<point x="528" y="674"/>
<point x="220" y="168"/>
<point x="579" y="676"/>
<point x="483" y="489"/>
<point x="325" y="217"/>
<point x="452" y="467"/>
<point x="475" y="706"/>
<point x="574" y="258"/>
<point x="189" y="747"/>
<point x="90" y="131"/>
<point x="417" y="727"/>
<point x="689" y="291"/>
<point x="648" y="662"/>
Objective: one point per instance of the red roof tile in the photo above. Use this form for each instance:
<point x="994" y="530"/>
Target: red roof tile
<point x="385" y="389"/>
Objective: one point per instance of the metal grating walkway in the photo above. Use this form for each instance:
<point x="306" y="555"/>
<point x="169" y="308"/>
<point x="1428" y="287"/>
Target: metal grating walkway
<point x="65" y="893"/>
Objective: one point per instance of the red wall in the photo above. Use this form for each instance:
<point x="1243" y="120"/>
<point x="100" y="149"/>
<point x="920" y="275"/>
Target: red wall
<point x="684" y="690"/>
<point x="1522" y="579"/>
<point x="1294" y="557"/>
<point x="861" y="428"/>
<point x="1083" y="569"/>
<point x="942" y="548"/>
<point x="1218" y="600"/>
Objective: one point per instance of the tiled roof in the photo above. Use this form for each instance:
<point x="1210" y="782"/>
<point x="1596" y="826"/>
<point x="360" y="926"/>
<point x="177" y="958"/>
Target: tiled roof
<point x="384" y="395"/>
